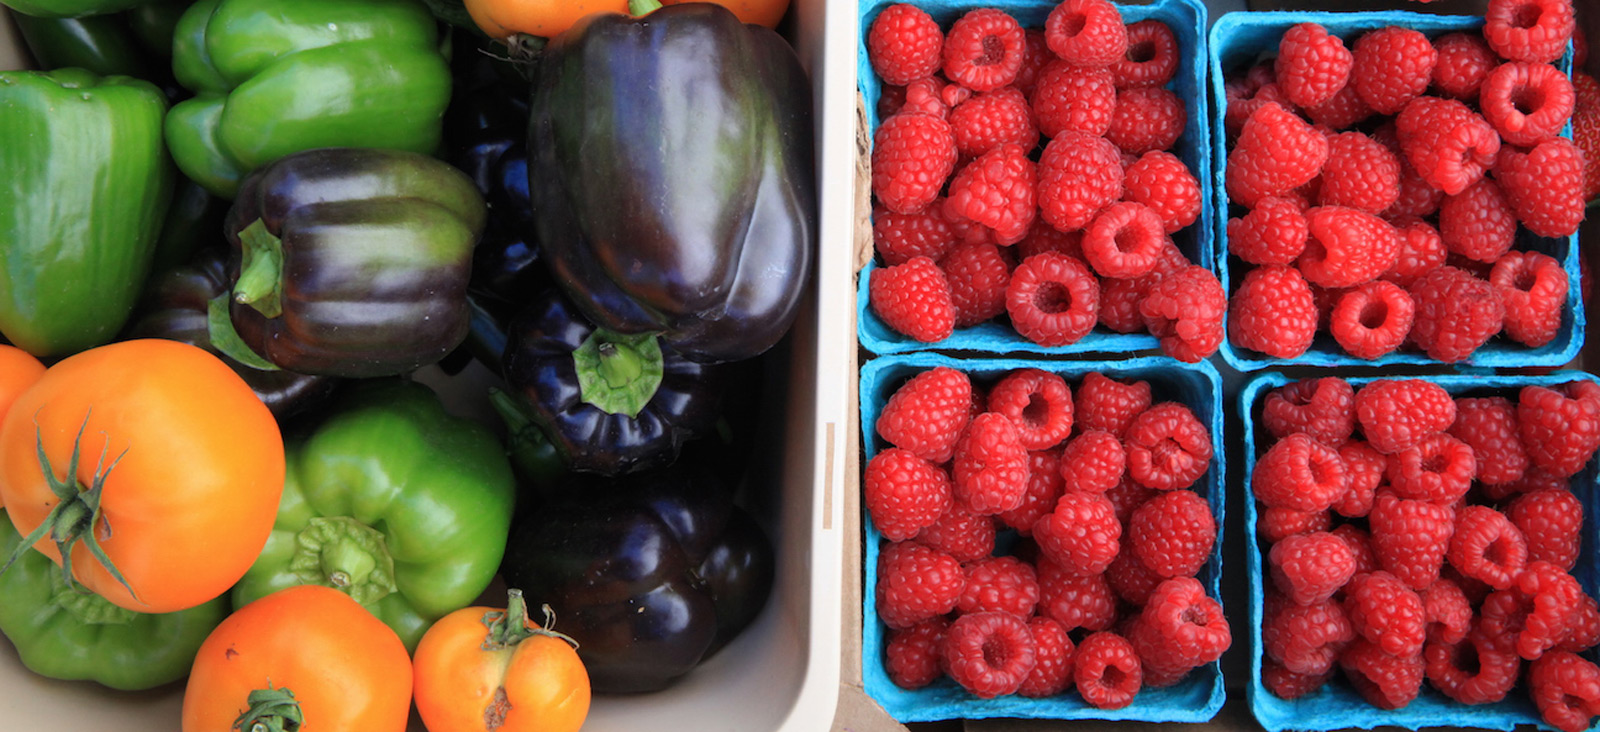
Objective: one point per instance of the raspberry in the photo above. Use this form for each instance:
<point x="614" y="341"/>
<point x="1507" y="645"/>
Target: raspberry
<point x="1160" y="181"/>
<point x="1299" y="473"/>
<point x="1079" y="174"/>
<point x="983" y="50"/>
<point x="1533" y="479"/>
<point x="991" y="465"/>
<point x="1365" y="469"/>
<point x="1038" y="402"/>
<point x="1536" y="31"/>
<point x="1076" y="98"/>
<point x="1185" y="311"/>
<point x="1187" y="628"/>
<point x="1346" y="247"/>
<point x="1465" y="60"/>
<point x="1360" y="173"/>
<point x="1107" y="670"/>
<point x="1392" y="66"/>
<point x="1552" y="597"/>
<point x="1486" y="546"/>
<point x="1360" y="544"/>
<point x="1456" y="313"/>
<point x="1550" y="519"/>
<point x="912" y="656"/>
<point x="927" y="96"/>
<point x="1245" y="104"/>
<point x="1042" y="237"/>
<point x="1168" y="448"/>
<point x="1274" y="232"/>
<point x="1586" y="129"/>
<point x="1053" y="657"/>
<point x="1566" y="688"/>
<point x="1074" y="600"/>
<point x="1310" y="568"/>
<point x="1288" y="685"/>
<point x="1345" y="109"/>
<point x="1322" y="408"/>
<point x="1305" y="639"/>
<point x="1526" y="102"/>
<point x="1383" y="610"/>
<point x="1438" y="469"/>
<point x="1312" y="65"/>
<point x="1093" y="462"/>
<point x="1373" y="319"/>
<point x="989" y="654"/>
<point x="1417" y="197"/>
<point x="1151" y="59"/>
<point x="927" y="414"/>
<point x="978" y="274"/>
<point x="912" y="156"/>
<point x="1421" y="250"/>
<point x="1561" y="433"/>
<point x="1145" y="119"/>
<point x="1172" y="534"/>
<point x="1081" y="535"/>
<point x="996" y="190"/>
<point x="1120" y="299"/>
<point x="903" y="44"/>
<point x="1583" y="627"/>
<point x="1447" y="143"/>
<point x="992" y="119"/>
<point x="1489" y="426"/>
<point x="1277" y="523"/>
<point x="1544" y="186"/>
<point x="1472" y="670"/>
<point x="1124" y="240"/>
<point x="1533" y="287"/>
<point x="1398" y="413"/>
<point x="904" y="493"/>
<point x="999" y="584"/>
<point x="1272" y="312"/>
<point x="1383" y="680"/>
<point x="1478" y="223"/>
<point x="1410" y="537"/>
<point x="1127" y="496"/>
<point x="961" y="534"/>
<point x="914" y="299"/>
<point x="1447" y="611"/>
<point x="1052" y="299"/>
<point x="1086" y="32"/>
<point x="1131" y="580"/>
<point x="916" y="583"/>
<point x="1103" y="403"/>
<point x="1276" y="153"/>
<point x="1044" y="487"/>
<point x="898" y="237"/>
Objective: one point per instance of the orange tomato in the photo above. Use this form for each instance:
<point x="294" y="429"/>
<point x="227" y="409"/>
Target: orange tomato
<point x="189" y="461"/>
<point x="548" y="18"/>
<point x="479" y="664"/>
<point x="18" y="371"/>
<point x="345" y="669"/>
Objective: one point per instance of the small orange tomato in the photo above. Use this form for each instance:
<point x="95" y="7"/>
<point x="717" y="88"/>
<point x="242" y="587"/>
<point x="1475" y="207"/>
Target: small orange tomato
<point x="18" y="371"/>
<point x="495" y="670"/>
<point x="307" y="654"/>
<point x="548" y="18"/>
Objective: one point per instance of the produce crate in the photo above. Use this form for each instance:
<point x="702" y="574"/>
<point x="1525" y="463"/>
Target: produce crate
<point x="782" y="673"/>
<point x="1337" y="705"/>
<point x="1236" y="40"/>
<point x="1187" y="18"/>
<point x="1196" y="699"/>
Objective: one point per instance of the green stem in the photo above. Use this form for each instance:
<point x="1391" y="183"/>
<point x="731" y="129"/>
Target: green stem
<point x="260" y="283"/>
<point x="637" y="8"/>
<point x="618" y="373"/>
<point x="219" y="323"/>
<point x="509" y="627"/>
<point x="271" y="710"/>
<point x="619" y="364"/>
<point x="345" y="554"/>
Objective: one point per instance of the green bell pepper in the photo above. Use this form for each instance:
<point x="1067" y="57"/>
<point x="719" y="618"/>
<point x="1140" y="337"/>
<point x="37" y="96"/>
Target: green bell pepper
<point x="102" y="44"/>
<point x="62" y="633"/>
<point x="70" y="8"/>
<point x="86" y="186"/>
<point x="275" y="77"/>
<point x="394" y="502"/>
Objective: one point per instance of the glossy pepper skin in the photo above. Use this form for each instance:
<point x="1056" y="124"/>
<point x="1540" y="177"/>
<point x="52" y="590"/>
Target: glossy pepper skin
<point x="693" y="220"/>
<point x="651" y="573"/>
<point x="393" y="501"/>
<point x="353" y="262"/>
<point x="70" y="8"/>
<point x="72" y="635"/>
<point x="102" y="44"/>
<point x="275" y="77"/>
<point x="85" y="186"/>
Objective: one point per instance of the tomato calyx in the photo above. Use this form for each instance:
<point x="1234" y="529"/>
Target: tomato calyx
<point x="270" y="710"/>
<point x="511" y="626"/>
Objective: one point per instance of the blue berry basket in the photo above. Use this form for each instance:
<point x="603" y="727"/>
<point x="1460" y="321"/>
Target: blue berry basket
<point x="1337" y="705"/>
<point x="1196" y="699"/>
<point x="1187" y="18"/>
<point x="1236" y="40"/>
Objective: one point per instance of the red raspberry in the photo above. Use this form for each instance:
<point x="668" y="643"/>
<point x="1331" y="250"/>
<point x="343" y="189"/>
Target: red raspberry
<point x="1081" y="535"/>
<point x="1392" y="66"/>
<point x="1124" y="240"/>
<point x="1274" y="232"/>
<point x="1465" y="60"/>
<point x="961" y="534"/>
<point x="1310" y="568"/>
<point x="1456" y="313"/>
<point x="1312" y="65"/>
<point x="1583" y="627"/>
<point x="1398" y="413"/>
<point x="1131" y="580"/>
<point x="1410" y="537"/>
<point x="1561" y="431"/>
<point x="1383" y="610"/>
<point x="1417" y="196"/>
<point x="1151" y="59"/>
<point x="1322" y="408"/>
<point x="1187" y="627"/>
<point x="1529" y="30"/>
<point x="898" y="237"/>
<point x="927" y="96"/>
<point x="1544" y="186"/>
<point x="1551" y="520"/>
<point x="1277" y="523"/>
<point x="1079" y="174"/>
<point x="1053" y="657"/>
<point x="1486" y="546"/>
<point x="1052" y="299"/>
<point x="1160" y="181"/>
<point x="1489" y="426"/>
<point x="903" y="44"/>
<point x="1035" y="56"/>
<point x="983" y="50"/>
<point x="999" y="584"/>
<point x="1074" y="600"/>
<point x="1552" y="597"/>
<point x="1172" y="534"/>
<point x="1042" y="237"/>
<point x="1473" y="670"/>
<point x="989" y="654"/>
<point x="1526" y="102"/>
<point x="1586" y="129"/>
<point x="1345" y="109"/>
<point x="904" y="493"/>
<point x="1438" y="469"/>
<point x="916" y="583"/>
<point x="1288" y="685"/>
<point x="1103" y="403"/>
<point x="1168" y="448"/>
<point x="1373" y="319"/>
<point x="1277" y="152"/>
<point x="992" y="119"/>
<point x="912" y="156"/>
<point x="927" y="414"/>
<point x="1038" y="402"/>
<point x="1272" y="311"/>
<point x="1086" y="32"/>
<point x="1365" y="469"/>
<point x="1107" y="670"/>
<point x="978" y="273"/>
<point x="1478" y="223"/>
<point x="1421" y="250"/>
<point x="1360" y="173"/>
<point x="912" y="656"/>
<point x="1185" y="311"/>
<point x="996" y="190"/>
<point x="1535" y="478"/>
<point x="1447" y="611"/>
<point x="1346" y="247"/>
<point x="1305" y="639"/>
<point x="913" y="299"/>
<point x="1093" y="462"/>
<point x="1242" y="104"/>
<point x="1044" y="487"/>
<point x="1447" y="143"/>
<point x="1533" y="287"/>
<point x="1076" y="98"/>
<point x="991" y="466"/>
<point x="1299" y="473"/>
<point x="1360" y="544"/>
<point x="1145" y="119"/>
<point x="1120" y="299"/>
<point x="1385" y="681"/>
<point x="1566" y="688"/>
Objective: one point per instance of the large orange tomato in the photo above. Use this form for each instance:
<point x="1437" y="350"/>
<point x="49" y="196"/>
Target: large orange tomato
<point x="547" y="18"/>
<point x="18" y="371"/>
<point x="179" y="468"/>
<point x="308" y="653"/>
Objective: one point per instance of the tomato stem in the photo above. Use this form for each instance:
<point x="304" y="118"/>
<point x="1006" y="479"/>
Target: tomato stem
<point x="511" y="626"/>
<point x="270" y="710"/>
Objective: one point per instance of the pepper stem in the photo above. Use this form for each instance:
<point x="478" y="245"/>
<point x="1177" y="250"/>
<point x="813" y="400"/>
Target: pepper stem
<point x="271" y="710"/>
<point x="511" y="626"/>
<point x="618" y="373"/>
<point x="532" y="454"/>
<point x="345" y="554"/>
<point x="260" y="283"/>
<point x="643" y="7"/>
<point x="219" y="323"/>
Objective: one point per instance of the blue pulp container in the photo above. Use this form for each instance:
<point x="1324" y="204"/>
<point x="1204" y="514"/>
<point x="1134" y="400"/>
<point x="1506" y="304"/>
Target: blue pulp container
<point x="1236" y="41"/>
<point x="1337" y="705"/>
<point x="1187" y="18"/>
<point x="1196" y="699"/>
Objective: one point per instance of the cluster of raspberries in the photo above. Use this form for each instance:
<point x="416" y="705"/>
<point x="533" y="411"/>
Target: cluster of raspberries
<point x="1451" y="560"/>
<point x="975" y="220"/>
<point x="1097" y="591"/>
<point x="1378" y="188"/>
